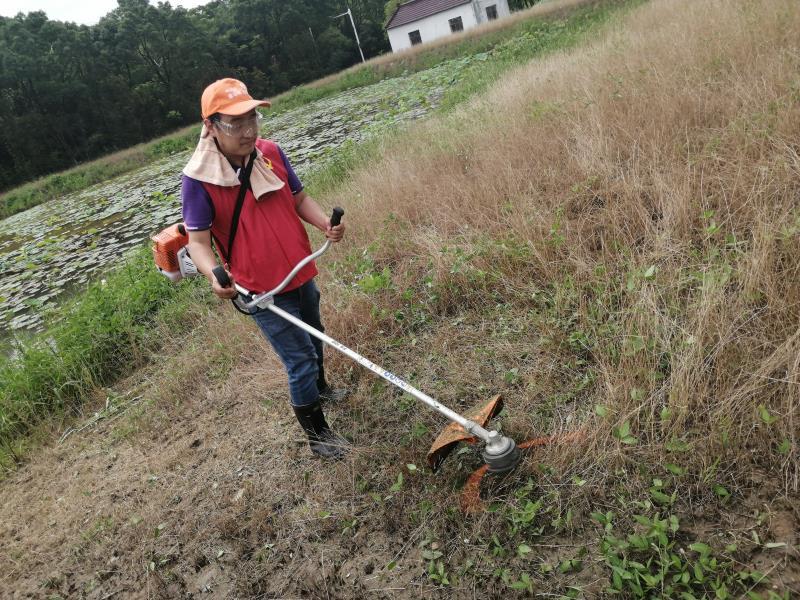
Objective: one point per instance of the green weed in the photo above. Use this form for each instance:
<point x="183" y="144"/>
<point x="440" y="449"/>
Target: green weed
<point x="653" y="562"/>
<point x="106" y="332"/>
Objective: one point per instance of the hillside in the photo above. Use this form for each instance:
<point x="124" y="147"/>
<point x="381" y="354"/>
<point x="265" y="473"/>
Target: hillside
<point x="608" y="237"/>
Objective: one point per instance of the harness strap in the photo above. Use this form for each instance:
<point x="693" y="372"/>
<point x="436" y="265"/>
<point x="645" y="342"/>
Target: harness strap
<point x="245" y="185"/>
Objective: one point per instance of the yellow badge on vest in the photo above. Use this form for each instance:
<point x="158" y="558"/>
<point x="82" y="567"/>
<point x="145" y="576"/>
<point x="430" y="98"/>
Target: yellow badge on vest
<point x="269" y="163"/>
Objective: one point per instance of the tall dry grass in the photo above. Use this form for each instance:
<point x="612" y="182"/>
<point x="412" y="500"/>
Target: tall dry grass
<point x="389" y="61"/>
<point x="637" y="204"/>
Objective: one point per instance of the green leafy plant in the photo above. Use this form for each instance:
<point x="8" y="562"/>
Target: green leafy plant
<point x="524" y="583"/>
<point x="623" y="434"/>
<point x="436" y="569"/>
<point x="651" y="562"/>
<point x="375" y="282"/>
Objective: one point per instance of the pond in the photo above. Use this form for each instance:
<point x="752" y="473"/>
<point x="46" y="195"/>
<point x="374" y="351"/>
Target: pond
<point x="57" y="247"/>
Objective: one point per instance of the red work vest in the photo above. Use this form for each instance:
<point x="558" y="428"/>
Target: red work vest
<point x="270" y="239"/>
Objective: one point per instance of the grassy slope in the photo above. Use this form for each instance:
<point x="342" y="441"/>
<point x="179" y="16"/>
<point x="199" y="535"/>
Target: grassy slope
<point x="607" y="238"/>
<point x="610" y="235"/>
<point x="54" y="371"/>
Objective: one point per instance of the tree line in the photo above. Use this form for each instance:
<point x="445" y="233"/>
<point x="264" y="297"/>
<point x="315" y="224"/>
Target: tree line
<point x="69" y="93"/>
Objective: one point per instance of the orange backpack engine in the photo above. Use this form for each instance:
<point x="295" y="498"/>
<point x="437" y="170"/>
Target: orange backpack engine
<point x="170" y="253"/>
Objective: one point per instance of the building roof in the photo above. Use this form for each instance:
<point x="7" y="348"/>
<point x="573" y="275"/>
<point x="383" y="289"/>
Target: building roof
<point x="419" y="9"/>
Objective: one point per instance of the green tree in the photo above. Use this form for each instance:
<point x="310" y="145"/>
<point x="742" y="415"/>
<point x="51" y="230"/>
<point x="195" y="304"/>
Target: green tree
<point x="521" y="4"/>
<point x="337" y="49"/>
<point x="69" y="93"/>
<point x="389" y="10"/>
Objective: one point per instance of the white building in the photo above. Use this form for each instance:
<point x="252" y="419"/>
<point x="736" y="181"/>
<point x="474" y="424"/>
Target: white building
<point x="420" y="21"/>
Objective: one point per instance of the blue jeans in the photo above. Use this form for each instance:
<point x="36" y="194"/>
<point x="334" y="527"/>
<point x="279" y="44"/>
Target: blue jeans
<point x="300" y="352"/>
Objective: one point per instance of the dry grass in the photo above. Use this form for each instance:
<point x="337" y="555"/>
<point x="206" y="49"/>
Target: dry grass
<point x="672" y="144"/>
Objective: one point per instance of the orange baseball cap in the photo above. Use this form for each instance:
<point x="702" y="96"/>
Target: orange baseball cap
<point x="229" y="97"/>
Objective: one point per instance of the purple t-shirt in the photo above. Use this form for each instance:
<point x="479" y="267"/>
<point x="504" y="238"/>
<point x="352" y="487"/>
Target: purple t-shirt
<point x="198" y="211"/>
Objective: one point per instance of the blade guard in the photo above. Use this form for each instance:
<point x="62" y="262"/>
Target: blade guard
<point x="454" y="433"/>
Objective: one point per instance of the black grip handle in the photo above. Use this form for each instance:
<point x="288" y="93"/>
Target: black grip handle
<point x="336" y="216"/>
<point x="222" y="276"/>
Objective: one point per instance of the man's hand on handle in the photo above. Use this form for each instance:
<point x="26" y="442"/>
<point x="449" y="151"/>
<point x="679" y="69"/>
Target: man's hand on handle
<point x="335" y="234"/>
<point x="334" y="227"/>
<point x="226" y="293"/>
<point x="203" y="257"/>
<point x="310" y="212"/>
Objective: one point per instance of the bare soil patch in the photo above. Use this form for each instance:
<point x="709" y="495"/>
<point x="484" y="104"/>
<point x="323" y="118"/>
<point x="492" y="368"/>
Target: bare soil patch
<point x="205" y="489"/>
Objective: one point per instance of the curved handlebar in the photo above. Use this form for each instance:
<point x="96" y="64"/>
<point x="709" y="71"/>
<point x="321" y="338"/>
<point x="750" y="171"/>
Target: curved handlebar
<point x="248" y="307"/>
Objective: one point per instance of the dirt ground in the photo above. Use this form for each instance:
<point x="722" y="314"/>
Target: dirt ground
<point x="215" y="495"/>
<point x="196" y="483"/>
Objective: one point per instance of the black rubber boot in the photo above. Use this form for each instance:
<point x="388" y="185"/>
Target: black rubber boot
<point x="321" y="439"/>
<point x="321" y="382"/>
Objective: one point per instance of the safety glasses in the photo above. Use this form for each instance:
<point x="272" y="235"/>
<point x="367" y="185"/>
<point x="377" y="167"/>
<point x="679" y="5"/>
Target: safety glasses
<point x="244" y="127"/>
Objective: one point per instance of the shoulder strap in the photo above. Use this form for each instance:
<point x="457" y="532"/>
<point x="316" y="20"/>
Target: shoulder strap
<point x="239" y="203"/>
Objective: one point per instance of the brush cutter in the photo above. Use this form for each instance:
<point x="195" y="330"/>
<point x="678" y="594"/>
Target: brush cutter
<point x="500" y="452"/>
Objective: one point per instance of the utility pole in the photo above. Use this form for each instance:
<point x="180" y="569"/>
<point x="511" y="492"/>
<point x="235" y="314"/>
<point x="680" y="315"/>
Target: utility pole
<point x="353" y="23"/>
<point x="316" y="50"/>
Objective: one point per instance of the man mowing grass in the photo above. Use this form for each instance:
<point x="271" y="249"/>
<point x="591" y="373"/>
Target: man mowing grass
<point x="238" y="187"/>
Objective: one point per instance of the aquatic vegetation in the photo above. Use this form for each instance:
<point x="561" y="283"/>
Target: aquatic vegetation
<point x="62" y="245"/>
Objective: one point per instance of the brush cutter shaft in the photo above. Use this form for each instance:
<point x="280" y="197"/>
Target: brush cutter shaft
<point x="468" y="425"/>
<point x="266" y="301"/>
